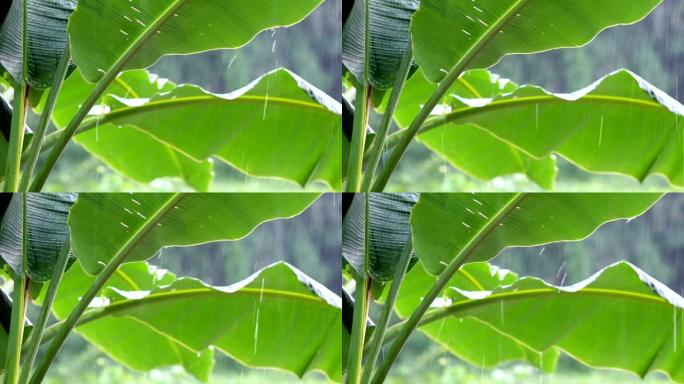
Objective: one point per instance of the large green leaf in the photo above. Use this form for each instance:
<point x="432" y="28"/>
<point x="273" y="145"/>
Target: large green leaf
<point x="619" y="318"/>
<point x="273" y="308"/>
<point x="619" y="124"/>
<point x="100" y="224"/>
<point x="116" y="145"/>
<point x="478" y="34"/>
<point x="277" y="126"/>
<point x="470" y="339"/>
<point x="142" y="348"/>
<point x="389" y="231"/>
<point x="467" y="147"/>
<point x="151" y="29"/>
<point x="47" y="37"/>
<point x="476" y="227"/>
<point x="47" y="230"/>
<point x="389" y="39"/>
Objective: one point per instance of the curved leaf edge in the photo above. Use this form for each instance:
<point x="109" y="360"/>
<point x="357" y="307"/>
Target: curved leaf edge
<point x="659" y="96"/>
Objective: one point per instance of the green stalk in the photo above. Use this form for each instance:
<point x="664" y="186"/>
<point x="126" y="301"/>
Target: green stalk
<point x="442" y="281"/>
<point x="94" y="96"/>
<point x="19" y="109"/>
<point x="361" y="114"/>
<point x="383" y="130"/>
<point x="39" y="136"/>
<point x="361" y="301"/>
<point x="361" y="308"/>
<point x="37" y="333"/>
<point x="16" y="141"/>
<point x="381" y="327"/>
<point x="19" y="299"/>
<point x="99" y="282"/>
<point x="16" y="329"/>
<point x="446" y="83"/>
<point x="358" y="143"/>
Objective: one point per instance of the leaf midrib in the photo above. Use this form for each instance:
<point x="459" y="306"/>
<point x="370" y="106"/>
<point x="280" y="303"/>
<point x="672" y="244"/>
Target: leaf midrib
<point x="454" y="309"/>
<point x="190" y="293"/>
<point x="142" y="38"/>
<point x="489" y="33"/>
<point x="522" y="101"/>
<point x="181" y="102"/>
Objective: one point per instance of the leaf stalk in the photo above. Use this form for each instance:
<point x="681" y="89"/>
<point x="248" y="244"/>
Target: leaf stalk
<point x="19" y="299"/>
<point x="446" y="83"/>
<point x="95" y="95"/>
<point x="41" y="129"/>
<point x="97" y="285"/>
<point x="383" y="130"/>
<point x="442" y="281"/>
<point x="381" y="327"/>
<point x="37" y="333"/>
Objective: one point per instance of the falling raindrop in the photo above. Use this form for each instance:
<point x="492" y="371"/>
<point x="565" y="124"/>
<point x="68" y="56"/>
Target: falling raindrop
<point x="256" y="331"/>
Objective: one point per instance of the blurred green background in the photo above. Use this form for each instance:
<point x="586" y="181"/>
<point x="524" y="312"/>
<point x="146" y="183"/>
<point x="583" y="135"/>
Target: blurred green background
<point x="653" y="242"/>
<point x="652" y="48"/>
<point x="311" y="49"/>
<point x="310" y="242"/>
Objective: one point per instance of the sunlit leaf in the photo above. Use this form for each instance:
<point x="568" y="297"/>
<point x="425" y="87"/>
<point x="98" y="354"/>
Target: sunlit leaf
<point x="257" y="316"/>
<point x="479" y="34"/>
<point x="481" y="225"/>
<point x="278" y="126"/>
<point x="467" y="147"/>
<point x="467" y="338"/>
<point x="152" y="29"/>
<point x="118" y="145"/>
<point x="619" y="124"/>
<point x="100" y="224"/>
<point x="618" y="318"/>
<point x="142" y="348"/>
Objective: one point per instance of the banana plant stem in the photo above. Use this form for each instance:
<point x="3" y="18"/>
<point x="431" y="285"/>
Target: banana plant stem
<point x="358" y="143"/>
<point x="16" y="330"/>
<point x="99" y="89"/>
<point x="446" y="83"/>
<point x="383" y="130"/>
<point x="38" y="329"/>
<point x="97" y="285"/>
<point x="19" y="108"/>
<point x="16" y="141"/>
<point x="361" y="301"/>
<point x="41" y="129"/>
<point x="19" y="299"/>
<point x="381" y="327"/>
<point x="361" y="307"/>
<point x="442" y="281"/>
